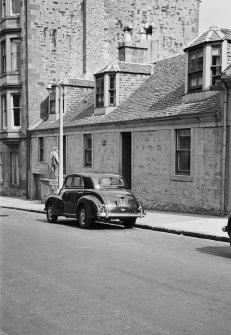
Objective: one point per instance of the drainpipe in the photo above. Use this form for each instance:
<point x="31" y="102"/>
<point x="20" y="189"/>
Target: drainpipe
<point x="27" y="103"/>
<point x="224" y="149"/>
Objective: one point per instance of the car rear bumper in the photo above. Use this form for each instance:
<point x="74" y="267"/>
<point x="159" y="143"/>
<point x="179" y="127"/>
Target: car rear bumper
<point x="120" y="215"/>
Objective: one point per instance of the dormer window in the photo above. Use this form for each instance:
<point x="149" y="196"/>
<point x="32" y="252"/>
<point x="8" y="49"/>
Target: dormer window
<point x="105" y="92"/>
<point x="112" y="90"/>
<point x="215" y="64"/>
<point x="99" y="92"/>
<point x="195" y="70"/>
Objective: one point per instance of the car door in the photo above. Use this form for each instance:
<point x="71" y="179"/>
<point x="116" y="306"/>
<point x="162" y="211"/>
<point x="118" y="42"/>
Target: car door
<point x="67" y="194"/>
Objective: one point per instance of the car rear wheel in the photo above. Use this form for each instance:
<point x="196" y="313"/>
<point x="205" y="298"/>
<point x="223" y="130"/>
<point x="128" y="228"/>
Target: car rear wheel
<point x="51" y="217"/>
<point x="83" y="218"/>
<point x="129" y="223"/>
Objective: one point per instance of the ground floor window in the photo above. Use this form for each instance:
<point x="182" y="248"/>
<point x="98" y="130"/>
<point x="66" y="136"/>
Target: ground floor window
<point x="14" y="168"/>
<point x="1" y="166"/>
<point x="41" y="149"/>
<point x="183" y="151"/>
<point x="88" y="150"/>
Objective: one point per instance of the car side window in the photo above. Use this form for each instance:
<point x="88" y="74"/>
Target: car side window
<point x="68" y="183"/>
<point x="77" y="182"/>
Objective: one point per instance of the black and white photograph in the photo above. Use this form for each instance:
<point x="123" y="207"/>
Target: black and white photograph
<point x="115" y="167"/>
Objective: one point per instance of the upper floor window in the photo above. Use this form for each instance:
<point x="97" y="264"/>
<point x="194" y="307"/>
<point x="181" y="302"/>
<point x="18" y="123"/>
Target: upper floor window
<point x="215" y="64"/>
<point x="15" y="54"/>
<point x="100" y="92"/>
<point x="195" y="70"/>
<point x="16" y="110"/>
<point x="41" y="149"/>
<point x="3" y="8"/>
<point x="3" y="56"/>
<point x="183" y="151"/>
<point x="52" y="102"/>
<point x="4" y="111"/>
<point x="15" y="7"/>
<point x="112" y="90"/>
<point x="88" y="150"/>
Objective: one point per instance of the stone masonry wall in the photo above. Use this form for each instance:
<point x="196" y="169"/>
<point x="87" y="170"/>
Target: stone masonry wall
<point x="152" y="172"/>
<point x="54" y="45"/>
<point x="175" y="24"/>
<point x="228" y="53"/>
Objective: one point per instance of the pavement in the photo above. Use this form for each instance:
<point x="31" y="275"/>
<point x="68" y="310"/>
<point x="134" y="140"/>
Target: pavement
<point x="200" y="226"/>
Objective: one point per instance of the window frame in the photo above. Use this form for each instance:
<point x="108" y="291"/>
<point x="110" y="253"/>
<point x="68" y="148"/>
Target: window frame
<point x="3" y="56"/>
<point x="198" y="72"/>
<point x="4" y="111"/>
<point x="87" y="150"/>
<point x="15" y="55"/>
<point x="41" y="149"/>
<point x="112" y="89"/>
<point x="182" y="150"/>
<point x="13" y="110"/>
<point x="14" y="168"/>
<point x="3" y="9"/>
<point x="99" y="91"/>
<point x="177" y="176"/>
<point x="215" y="76"/>
<point x="13" y="5"/>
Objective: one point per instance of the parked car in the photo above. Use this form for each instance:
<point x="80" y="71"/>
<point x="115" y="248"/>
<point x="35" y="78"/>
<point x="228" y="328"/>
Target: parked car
<point x="228" y="227"/>
<point x="94" y="197"/>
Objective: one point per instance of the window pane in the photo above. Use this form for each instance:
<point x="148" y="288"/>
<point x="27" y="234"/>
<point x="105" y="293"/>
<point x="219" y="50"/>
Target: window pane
<point x="3" y="56"/>
<point x="15" y="55"/>
<point x="183" y="148"/>
<point x="15" y="6"/>
<point x="88" y="150"/>
<point x="16" y="110"/>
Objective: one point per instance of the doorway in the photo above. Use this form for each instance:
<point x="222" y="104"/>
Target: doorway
<point x="126" y="149"/>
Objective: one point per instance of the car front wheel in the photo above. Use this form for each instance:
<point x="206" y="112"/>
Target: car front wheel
<point x="51" y="217"/>
<point x="129" y="223"/>
<point x="83" y="218"/>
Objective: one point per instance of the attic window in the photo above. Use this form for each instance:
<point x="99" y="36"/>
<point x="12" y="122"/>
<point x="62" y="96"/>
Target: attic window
<point x="100" y="91"/>
<point x="195" y="70"/>
<point x="215" y="64"/>
<point x="112" y="90"/>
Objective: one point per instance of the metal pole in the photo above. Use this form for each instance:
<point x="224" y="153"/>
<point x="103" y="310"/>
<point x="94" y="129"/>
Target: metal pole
<point x="60" y="137"/>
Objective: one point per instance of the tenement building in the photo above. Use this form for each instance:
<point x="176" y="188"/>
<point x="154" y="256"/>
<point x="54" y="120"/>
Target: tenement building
<point x="140" y="92"/>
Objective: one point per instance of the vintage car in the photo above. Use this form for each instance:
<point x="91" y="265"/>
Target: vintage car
<point x="94" y="197"/>
<point x="228" y="227"/>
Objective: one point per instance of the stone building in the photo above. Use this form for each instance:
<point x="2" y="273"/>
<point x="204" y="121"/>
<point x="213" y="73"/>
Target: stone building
<point x="45" y="41"/>
<point x="165" y="126"/>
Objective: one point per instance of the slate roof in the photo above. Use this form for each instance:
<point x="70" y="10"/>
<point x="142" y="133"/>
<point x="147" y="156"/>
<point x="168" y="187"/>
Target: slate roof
<point x="212" y="34"/>
<point x="226" y="74"/>
<point x="127" y="67"/>
<point x="80" y="82"/>
<point x="160" y="97"/>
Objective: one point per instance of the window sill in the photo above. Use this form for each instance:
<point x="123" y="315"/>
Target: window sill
<point x="14" y="185"/>
<point x="181" y="178"/>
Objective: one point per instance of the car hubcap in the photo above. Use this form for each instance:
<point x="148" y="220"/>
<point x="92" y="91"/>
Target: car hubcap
<point x="50" y="212"/>
<point x="83" y="216"/>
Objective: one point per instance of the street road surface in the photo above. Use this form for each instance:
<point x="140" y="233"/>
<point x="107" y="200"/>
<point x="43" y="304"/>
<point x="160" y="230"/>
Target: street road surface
<point x="60" y="279"/>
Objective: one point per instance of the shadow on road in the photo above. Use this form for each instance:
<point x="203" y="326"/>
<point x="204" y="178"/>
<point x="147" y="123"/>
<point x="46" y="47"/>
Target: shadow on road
<point x="74" y="224"/>
<point x="216" y="251"/>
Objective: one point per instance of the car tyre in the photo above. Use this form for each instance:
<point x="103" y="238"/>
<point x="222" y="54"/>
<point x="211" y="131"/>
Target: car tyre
<point x="51" y="217"/>
<point x="83" y="217"/>
<point x="129" y="223"/>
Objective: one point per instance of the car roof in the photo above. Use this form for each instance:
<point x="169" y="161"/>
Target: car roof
<point x="94" y="174"/>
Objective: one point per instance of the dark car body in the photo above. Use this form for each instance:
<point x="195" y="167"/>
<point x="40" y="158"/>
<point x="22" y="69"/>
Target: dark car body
<point x="228" y="227"/>
<point x="90" y="197"/>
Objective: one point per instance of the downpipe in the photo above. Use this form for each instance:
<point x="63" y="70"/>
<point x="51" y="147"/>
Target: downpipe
<point x="224" y="147"/>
